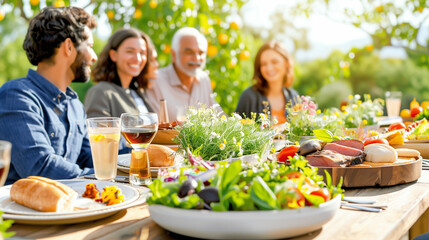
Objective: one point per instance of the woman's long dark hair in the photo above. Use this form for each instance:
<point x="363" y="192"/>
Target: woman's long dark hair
<point x="261" y="83"/>
<point x="105" y="69"/>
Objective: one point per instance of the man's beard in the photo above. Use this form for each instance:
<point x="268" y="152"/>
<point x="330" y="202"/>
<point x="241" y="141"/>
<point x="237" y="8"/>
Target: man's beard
<point x="79" y="68"/>
<point x="190" y="72"/>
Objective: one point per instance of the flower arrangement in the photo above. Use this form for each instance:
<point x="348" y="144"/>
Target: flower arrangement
<point x="215" y="137"/>
<point x="358" y="113"/>
<point x="304" y="117"/>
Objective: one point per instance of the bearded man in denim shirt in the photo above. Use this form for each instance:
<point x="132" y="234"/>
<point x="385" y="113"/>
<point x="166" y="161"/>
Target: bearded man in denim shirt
<point x="40" y="114"/>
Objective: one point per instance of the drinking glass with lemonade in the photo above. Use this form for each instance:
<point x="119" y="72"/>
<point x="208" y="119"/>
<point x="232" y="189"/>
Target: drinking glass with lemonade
<point x="139" y="130"/>
<point x="393" y="103"/>
<point x="104" y="135"/>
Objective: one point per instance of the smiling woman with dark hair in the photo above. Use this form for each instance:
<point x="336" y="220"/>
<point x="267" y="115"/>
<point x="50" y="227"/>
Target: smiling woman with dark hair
<point x="121" y="74"/>
<point x="273" y="88"/>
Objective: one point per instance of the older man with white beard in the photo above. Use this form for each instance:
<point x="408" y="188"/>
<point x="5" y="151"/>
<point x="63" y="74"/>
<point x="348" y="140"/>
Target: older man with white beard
<point x="183" y="83"/>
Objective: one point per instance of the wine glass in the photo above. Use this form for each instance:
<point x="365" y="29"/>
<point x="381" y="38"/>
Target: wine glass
<point x="139" y="131"/>
<point x="5" y="148"/>
<point x="104" y="135"/>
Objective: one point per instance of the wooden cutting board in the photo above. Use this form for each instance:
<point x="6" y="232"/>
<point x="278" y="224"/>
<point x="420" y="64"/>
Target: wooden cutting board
<point x="377" y="175"/>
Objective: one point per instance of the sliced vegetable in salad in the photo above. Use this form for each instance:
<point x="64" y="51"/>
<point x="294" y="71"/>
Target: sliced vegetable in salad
<point x="268" y="187"/>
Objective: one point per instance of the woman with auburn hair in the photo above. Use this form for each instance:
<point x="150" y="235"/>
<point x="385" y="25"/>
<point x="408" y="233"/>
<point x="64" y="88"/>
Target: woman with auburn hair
<point x="122" y="74"/>
<point x="273" y="88"/>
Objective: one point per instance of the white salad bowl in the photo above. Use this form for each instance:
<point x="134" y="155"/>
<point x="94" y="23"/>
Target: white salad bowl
<point x="244" y="224"/>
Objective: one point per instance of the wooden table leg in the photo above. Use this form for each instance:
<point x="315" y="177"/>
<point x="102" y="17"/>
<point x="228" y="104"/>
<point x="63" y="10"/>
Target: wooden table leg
<point x="420" y="226"/>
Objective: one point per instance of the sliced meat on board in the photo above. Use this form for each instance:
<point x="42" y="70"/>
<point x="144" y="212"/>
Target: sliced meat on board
<point x="348" y="151"/>
<point x="328" y="158"/>
<point x="351" y="143"/>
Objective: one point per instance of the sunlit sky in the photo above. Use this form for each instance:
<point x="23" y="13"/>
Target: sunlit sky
<point x="325" y="34"/>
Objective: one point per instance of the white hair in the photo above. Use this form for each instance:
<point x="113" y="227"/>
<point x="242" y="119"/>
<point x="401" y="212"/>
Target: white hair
<point x="188" y="31"/>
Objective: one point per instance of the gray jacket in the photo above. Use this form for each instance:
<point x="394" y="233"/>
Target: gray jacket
<point x="110" y="100"/>
<point x="252" y="101"/>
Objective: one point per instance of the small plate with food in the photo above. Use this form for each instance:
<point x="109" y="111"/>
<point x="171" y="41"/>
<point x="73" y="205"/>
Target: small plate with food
<point x="39" y="200"/>
<point x="159" y="157"/>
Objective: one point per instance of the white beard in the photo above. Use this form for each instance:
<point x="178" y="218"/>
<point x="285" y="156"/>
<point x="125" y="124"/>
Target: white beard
<point x="190" y="72"/>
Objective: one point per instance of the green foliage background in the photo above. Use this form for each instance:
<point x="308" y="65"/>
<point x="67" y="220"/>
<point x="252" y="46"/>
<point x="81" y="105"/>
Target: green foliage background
<point x="329" y="80"/>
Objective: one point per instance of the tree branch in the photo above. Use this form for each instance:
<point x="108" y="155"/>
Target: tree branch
<point x="20" y="5"/>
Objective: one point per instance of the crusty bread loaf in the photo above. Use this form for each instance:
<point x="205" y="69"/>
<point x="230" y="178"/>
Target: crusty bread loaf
<point x="43" y="194"/>
<point x="406" y="152"/>
<point x="161" y="156"/>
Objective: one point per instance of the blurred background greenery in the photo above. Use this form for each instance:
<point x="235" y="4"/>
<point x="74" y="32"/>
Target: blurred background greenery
<point x="233" y="43"/>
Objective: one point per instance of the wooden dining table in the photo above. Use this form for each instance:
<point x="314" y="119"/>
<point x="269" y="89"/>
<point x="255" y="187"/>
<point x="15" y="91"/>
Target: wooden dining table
<point x="406" y="215"/>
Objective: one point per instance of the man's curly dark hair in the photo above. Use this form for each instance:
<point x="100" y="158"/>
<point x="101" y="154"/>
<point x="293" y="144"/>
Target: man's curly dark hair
<point x="51" y="27"/>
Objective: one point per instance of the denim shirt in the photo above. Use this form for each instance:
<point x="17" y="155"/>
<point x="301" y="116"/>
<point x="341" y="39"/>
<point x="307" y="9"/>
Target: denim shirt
<point x="46" y="127"/>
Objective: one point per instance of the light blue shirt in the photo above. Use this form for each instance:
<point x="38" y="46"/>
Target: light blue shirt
<point x="46" y="127"/>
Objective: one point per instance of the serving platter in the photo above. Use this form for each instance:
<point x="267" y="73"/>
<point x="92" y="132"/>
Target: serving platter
<point x="21" y="214"/>
<point x="386" y="174"/>
<point x="244" y="224"/>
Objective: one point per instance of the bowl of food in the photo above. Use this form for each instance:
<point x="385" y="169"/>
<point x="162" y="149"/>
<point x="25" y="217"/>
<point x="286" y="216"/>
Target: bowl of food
<point x="166" y="133"/>
<point x="267" y="202"/>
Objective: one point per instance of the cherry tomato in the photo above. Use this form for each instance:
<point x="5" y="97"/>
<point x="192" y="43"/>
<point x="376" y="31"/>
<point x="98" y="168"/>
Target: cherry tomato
<point x="371" y="141"/>
<point x="322" y="192"/>
<point x="293" y="199"/>
<point x="287" y="152"/>
<point x="293" y="175"/>
<point x="396" y="126"/>
<point x="416" y="111"/>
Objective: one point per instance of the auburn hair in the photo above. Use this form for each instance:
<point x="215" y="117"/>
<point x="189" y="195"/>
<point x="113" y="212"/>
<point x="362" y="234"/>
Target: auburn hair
<point x="261" y="84"/>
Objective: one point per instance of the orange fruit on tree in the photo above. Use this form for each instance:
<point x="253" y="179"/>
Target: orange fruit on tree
<point x="234" y="25"/>
<point x="1" y="15"/>
<point x="244" y="55"/>
<point x="34" y="2"/>
<point x="379" y="9"/>
<point x="110" y="14"/>
<point x="138" y="14"/>
<point x="211" y="51"/>
<point x="405" y="113"/>
<point x="166" y="48"/>
<point x="140" y="2"/>
<point x="223" y="38"/>
<point x="369" y="48"/>
<point x="153" y="4"/>
<point x="59" y="3"/>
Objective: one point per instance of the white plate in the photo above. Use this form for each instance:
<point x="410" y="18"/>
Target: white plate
<point x="124" y="165"/>
<point x="244" y="224"/>
<point x="26" y="215"/>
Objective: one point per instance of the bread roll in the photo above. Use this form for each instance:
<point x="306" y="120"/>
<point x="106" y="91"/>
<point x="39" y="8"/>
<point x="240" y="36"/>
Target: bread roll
<point x="43" y="194"/>
<point x="161" y="156"/>
<point x="406" y="152"/>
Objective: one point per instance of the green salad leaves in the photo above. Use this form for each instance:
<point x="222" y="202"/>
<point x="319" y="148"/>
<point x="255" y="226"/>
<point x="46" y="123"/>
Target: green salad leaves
<point x="268" y="187"/>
